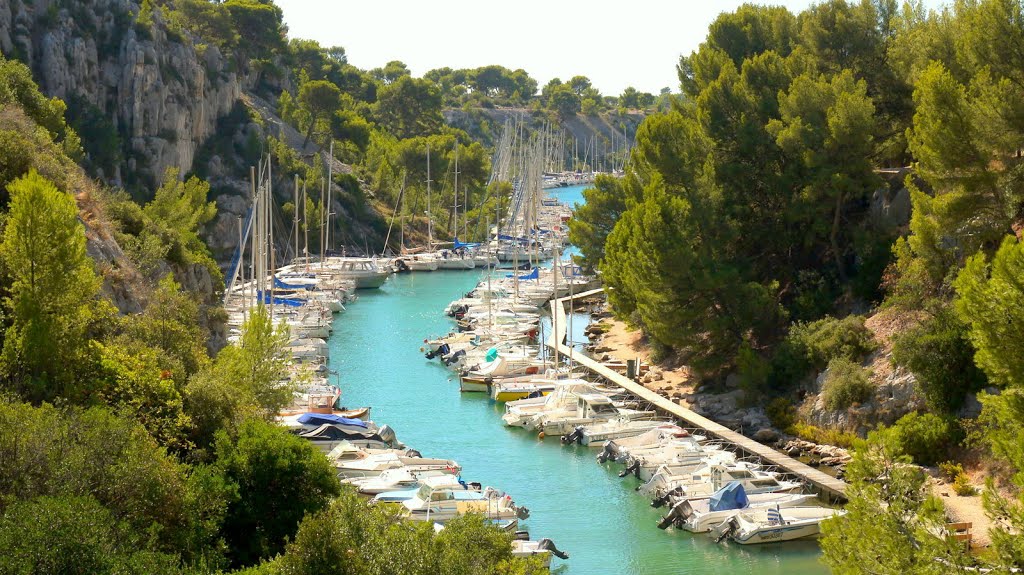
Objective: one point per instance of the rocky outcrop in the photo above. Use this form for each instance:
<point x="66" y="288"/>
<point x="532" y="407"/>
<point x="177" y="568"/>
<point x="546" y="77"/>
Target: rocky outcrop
<point x="161" y="95"/>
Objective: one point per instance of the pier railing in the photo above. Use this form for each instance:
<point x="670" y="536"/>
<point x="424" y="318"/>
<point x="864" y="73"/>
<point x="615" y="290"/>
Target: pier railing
<point x="827" y="486"/>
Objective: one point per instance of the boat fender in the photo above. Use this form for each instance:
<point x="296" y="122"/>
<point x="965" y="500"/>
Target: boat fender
<point x="549" y="545"/>
<point x="541" y="435"/>
<point x="633" y="468"/>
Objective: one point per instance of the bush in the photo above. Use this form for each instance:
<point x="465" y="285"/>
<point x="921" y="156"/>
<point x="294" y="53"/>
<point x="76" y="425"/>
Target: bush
<point x="926" y="438"/>
<point x="781" y="413"/>
<point x="280" y="478"/>
<point x="845" y="384"/>
<point x="951" y="470"/>
<point x="963" y="487"/>
<point x="812" y="345"/>
<point x="814" y="434"/>
<point x="942" y="358"/>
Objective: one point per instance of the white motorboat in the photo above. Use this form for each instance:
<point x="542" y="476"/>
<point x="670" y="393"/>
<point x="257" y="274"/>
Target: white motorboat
<point x="699" y="518"/>
<point x="595" y="435"/>
<point x="774" y="524"/>
<point x="375" y="464"/>
<point x="590" y="408"/>
<point x="436" y="500"/>
<point x="394" y="480"/>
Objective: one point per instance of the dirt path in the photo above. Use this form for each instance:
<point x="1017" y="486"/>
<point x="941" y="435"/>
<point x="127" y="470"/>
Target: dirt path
<point x="619" y="343"/>
<point x="964" y="509"/>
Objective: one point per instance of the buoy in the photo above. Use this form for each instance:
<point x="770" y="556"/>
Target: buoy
<point x="540" y="435"/>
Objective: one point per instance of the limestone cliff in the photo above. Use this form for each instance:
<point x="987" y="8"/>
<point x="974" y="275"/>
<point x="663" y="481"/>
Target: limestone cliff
<point x="161" y="95"/>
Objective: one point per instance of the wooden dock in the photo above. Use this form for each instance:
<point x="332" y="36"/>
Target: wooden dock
<point x="827" y="486"/>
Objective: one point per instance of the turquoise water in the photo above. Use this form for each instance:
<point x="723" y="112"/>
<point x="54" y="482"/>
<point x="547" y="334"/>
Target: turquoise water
<point x="581" y="505"/>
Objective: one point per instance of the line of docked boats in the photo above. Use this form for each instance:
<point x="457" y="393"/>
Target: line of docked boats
<point x="704" y="484"/>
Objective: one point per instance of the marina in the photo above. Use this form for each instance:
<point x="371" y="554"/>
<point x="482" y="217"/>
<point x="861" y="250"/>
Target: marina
<point x="449" y="406"/>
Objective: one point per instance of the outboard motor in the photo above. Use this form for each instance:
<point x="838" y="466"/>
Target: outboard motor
<point x="413" y="452"/>
<point x="549" y="545"/>
<point x="726" y="530"/>
<point x="387" y="435"/>
<point x="605" y="454"/>
<point x="661" y="501"/>
<point x="521" y="536"/>
<point x="523" y="513"/>
<point x="401" y="266"/>
<point x="679" y="513"/>
<point x="575" y="436"/>
<point x="455" y="357"/>
<point x="631" y="468"/>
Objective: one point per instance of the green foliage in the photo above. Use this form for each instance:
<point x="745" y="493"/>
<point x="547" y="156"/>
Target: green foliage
<point x="318" y="100"/>
<point x="52" y="301"/>
<point x="926" y="438"/>
<point x="74" y="452"/>
<point x="256" y="366"/>
<point x="73" y="535"/>
<point x="940" y="355"/>
<point x="991" y="303"/>
<point x="409" y="107"/>
<point x="281" y="478"/>
<point x="846" y="384"/>
<point x="781" y="413"/>
<point x="353" y="538"/>
<point x="595" y="219"/>
<point x="260" y="24"/>
<point x="893" y="525"/>
<point x="824" y="436"/>
<point x="963" y="487"/>
<point x="811" y="346"/>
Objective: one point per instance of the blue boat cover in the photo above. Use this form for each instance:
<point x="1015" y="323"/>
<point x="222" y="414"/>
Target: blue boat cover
<point x="322" y="418"/>
<point x="530" y="276"/>
<point x="459" y="244"/>
<point x="732" y="496"/>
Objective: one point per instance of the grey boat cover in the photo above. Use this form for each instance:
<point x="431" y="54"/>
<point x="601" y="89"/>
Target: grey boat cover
<point x="328" y="432"/>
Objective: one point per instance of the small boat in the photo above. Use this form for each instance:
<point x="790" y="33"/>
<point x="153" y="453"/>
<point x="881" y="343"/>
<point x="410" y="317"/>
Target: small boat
<point x="393" y="480"/>
<point x="590" y="408"/>
<point x="774" y="524"/>
<point x="543" y="548"/>
<point x="373" y="465"/>
<point x="505" y="391"/>
<point x="700" y="515"/>
<point x="436" y="500"/>
<point x="595" y="435"/>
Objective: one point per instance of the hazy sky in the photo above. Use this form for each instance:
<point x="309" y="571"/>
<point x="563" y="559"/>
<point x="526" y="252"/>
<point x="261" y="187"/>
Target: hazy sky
<point x="615" y="44"/>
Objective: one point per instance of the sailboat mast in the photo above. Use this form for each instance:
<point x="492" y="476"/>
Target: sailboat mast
<point x="330" y="165"/>
<point x="430" y="231"/>
<point x="270" y="236"/>
<point x="295" y="220"/>
<point x="455" y="195"/>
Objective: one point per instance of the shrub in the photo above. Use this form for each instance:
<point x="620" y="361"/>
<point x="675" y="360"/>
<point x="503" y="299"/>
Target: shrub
<point x="820" y="435"/>
<point x="926" y="438"/>
<point x="846" y="384"/>
<point x="942" y="358"/>
<point x="963" y="487"/>
<point x="951" y="470"/>
<point x="781" y="413"/>
<point x="812" y="345"/>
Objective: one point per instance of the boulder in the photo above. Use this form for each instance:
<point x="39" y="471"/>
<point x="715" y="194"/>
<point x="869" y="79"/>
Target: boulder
<point x="766" y="435"/>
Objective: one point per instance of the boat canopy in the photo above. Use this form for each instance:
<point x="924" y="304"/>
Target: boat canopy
<point x="732" y="496"/>
<point x="328" y="418"/>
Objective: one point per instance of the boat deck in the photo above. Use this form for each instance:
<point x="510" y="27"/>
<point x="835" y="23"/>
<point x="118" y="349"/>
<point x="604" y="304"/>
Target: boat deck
<point x="826" y="485"/>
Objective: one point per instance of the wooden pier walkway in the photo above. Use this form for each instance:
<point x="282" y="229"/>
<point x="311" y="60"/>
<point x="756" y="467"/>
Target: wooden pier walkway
<point x="831" y="488"/>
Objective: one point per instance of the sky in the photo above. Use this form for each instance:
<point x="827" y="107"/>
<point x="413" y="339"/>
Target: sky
<point x="615" y="44"/>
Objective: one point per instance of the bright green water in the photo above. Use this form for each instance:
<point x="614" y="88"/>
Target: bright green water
<point x="584" y="507"/>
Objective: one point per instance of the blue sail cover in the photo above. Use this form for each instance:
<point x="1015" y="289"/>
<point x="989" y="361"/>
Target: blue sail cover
<point x="280" y="300"/>
<point x="460" y="245"/>
<point x="280" y="284"/>
<point x="328" y="418"/>
<point x="732" y="496"/>
<point x="530" y="276"/>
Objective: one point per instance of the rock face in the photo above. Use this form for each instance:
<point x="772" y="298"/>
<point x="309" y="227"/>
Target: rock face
<point x="162" y="96"/>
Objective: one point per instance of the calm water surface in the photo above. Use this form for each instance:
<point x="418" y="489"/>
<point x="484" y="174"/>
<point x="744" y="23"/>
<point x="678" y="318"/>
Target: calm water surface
<point x="581" y="505"/>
